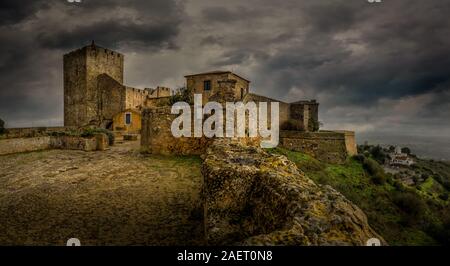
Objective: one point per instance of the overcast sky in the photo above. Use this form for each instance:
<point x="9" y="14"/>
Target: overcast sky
<point x="374" y="68"/>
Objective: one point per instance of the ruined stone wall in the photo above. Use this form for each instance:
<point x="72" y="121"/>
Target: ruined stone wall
<point x="157" y="138"/>
<point x="327" y="146"/>
<point x="17" y="145"/>
<point x="255" y="198"/>
<point x="73" y="143"/>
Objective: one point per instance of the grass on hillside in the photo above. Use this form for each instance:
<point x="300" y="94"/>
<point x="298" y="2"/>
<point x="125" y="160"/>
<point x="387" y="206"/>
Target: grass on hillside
<point x="402" y="215"/>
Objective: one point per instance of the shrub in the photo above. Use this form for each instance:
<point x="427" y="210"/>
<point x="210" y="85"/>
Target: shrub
<point x="89" y="132"/>
<point x="446" y="185"/>
<point x="406" y="150"/>
<point x="378" y="179"/>
<point x="390" y="180"/>
<point x="372" y="167"/>
<point x="378" y="154"/>
<point x="182" y="95"/>
<point x="444" y="196"/>
<point x="410" y="204"/>
<point x="399" y="186"/>
<point x="313" y="125"/>
<point x="359" y="157"/>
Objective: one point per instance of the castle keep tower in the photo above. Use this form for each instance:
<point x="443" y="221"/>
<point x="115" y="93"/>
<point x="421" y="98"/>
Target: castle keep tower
<point x="82" y="68"/>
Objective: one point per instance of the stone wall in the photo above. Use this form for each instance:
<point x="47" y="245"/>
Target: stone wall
<point x="157" y="138"/>
<point x="17" y="145"/>
<point x="135" y="97"/>
<point x="327" y="146"/>
<point x="255" y="198"/>
<point x="157" y="102"/>
<point x="28" y="132"/>
<point x="73" y="143"/>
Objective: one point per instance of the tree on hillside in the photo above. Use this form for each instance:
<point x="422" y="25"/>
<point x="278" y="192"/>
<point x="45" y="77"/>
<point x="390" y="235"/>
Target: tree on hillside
<point x="378" y="154"/>
<point x="406" y="150"/>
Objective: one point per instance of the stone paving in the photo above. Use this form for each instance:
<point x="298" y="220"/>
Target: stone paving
<point x="114" y="197"/>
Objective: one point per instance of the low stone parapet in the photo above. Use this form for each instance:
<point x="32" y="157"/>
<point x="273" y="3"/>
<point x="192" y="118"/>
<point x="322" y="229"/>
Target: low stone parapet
<point x="17" y="145"/>
<point x="73" y="143"/>
<point x="327" y="146"/>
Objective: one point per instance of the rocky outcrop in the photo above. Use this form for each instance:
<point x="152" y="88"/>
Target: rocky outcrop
<point x="256" y="198"/>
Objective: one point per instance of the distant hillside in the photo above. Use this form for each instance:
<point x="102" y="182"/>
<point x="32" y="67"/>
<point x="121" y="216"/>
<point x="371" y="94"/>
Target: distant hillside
<point x="403" y="215"/>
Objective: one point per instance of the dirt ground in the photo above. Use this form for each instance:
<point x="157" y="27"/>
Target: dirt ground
<point x="114" y="197"/>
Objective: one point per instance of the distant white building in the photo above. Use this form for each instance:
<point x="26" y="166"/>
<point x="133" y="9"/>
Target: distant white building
<point x="400" y="159"/>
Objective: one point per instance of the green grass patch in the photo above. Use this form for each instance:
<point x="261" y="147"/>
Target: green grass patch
<point x="400" y="214"/>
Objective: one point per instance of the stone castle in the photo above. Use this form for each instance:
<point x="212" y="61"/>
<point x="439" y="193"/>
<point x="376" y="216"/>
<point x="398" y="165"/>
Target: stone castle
<point x="94" y="95"/>
<point x="94" y="92"/>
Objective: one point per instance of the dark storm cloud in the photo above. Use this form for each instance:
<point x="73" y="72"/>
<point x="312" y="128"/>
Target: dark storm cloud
<point x="112" y="34"/>
<point x="13" y="11"/>
<point x="115" y="23"/>
<point x="403" y="47"/>
<point x="224" y="14"/>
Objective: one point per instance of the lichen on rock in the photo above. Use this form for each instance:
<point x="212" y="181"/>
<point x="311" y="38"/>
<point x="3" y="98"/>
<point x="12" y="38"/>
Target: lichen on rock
<point x="256" y="198"/>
